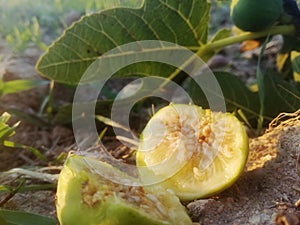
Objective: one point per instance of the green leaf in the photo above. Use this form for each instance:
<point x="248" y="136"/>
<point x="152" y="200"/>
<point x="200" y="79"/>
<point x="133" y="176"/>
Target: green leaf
<point x="26" y="116"/>
<point x="237" y="96"/>
<point x="276" y="95"/>
<point x="34" y="151"/>
<point x="289" y="65"/>
<point x="15" y="86"/>
<point x="284" y="65"/>
<point x="4" y="189"/>
<point x="279" y="95"/>
<point x="261" y="86"/>
<point x="296" y="65"/>
<point x="290" y="43"/>
<point x="221" y="34"/>
<point x="8" y="217"/>
<point x="4" y="118"/>
<point x="6" y="130"/>
<point x="64" y="115"/>
<point x="36" y="187"/>
<point x="182" y="22"/>
<point x="284" y="59"/>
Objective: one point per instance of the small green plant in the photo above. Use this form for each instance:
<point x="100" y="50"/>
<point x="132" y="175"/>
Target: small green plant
<point x="18" y="217"/>
<point x="40" y="22"/>
<point x="28" y="34"/>
<point x="7" y="131"/>
<point x="10" y="87"/>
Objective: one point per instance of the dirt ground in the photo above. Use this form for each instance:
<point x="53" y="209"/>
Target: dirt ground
<point x="268" y="192"/>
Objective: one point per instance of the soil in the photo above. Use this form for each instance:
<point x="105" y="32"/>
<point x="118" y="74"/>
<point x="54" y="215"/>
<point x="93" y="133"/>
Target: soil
<point x="268" y="192"/>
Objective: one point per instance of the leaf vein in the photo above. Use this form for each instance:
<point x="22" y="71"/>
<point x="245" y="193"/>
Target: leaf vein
<point x="187" y="20"/>
<point x="84" y="41"/>
<point x="147" y="23"/>
<point x="102" y="31"/>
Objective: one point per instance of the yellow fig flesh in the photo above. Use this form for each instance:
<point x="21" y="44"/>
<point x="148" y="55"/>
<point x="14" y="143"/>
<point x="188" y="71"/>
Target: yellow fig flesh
<point x="85" y="197"/>
<point x="193" y="151"/>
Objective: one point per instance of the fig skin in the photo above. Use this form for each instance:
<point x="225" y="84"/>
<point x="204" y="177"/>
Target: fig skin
<point x="255" y="15"/>
<point x="85" y="198"/>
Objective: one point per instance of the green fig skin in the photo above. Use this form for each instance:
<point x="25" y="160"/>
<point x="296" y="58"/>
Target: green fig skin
<point x="255" y="15"/>
<point x="86" y="198"/>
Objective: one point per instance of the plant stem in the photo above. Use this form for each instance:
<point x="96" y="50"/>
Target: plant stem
<point x="215" y="46"/>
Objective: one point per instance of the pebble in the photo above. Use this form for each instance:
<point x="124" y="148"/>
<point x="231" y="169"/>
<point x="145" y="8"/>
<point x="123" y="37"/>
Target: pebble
<point x="197" y="208"/>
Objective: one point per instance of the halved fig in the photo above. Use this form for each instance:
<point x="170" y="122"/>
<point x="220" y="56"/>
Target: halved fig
<point x="85" y="197"/>
<point x="193" y="151"/>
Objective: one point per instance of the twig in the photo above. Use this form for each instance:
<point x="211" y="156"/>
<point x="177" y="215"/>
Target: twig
<point x="51" y="178"/>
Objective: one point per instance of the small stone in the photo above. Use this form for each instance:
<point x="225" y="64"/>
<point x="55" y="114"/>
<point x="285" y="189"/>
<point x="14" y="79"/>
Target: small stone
<point x="197" y="208"/>
<point x="255" y="220"/>
<point x="260" y="217"/>
<point x="218" y="61"/>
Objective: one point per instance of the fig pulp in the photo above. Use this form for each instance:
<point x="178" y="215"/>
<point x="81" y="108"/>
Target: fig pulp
<point x="85" y="197"/>
<point x="193" y="151"/>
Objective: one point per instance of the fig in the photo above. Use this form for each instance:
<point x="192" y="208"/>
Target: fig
<point x="193" y="151"/>
<point x="85" y="197"/>
<point x="255" y="15"/>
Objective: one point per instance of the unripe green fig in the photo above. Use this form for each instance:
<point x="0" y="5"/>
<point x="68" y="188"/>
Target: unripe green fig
<point x="85" y="197"/>
<point x="255" y="15"/>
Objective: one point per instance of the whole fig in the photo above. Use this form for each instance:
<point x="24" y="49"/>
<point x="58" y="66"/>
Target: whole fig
<point x="255" y="15"/>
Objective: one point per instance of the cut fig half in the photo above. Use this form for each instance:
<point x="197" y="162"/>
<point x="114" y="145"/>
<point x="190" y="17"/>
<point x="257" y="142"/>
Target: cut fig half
<point x="84" y="197"/>
<point x="193" y="151"/>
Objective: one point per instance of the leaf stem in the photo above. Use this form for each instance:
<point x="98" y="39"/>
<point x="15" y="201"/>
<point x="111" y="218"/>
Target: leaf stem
<point x="214" y="46"/>
<point x="217" y="45"/>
